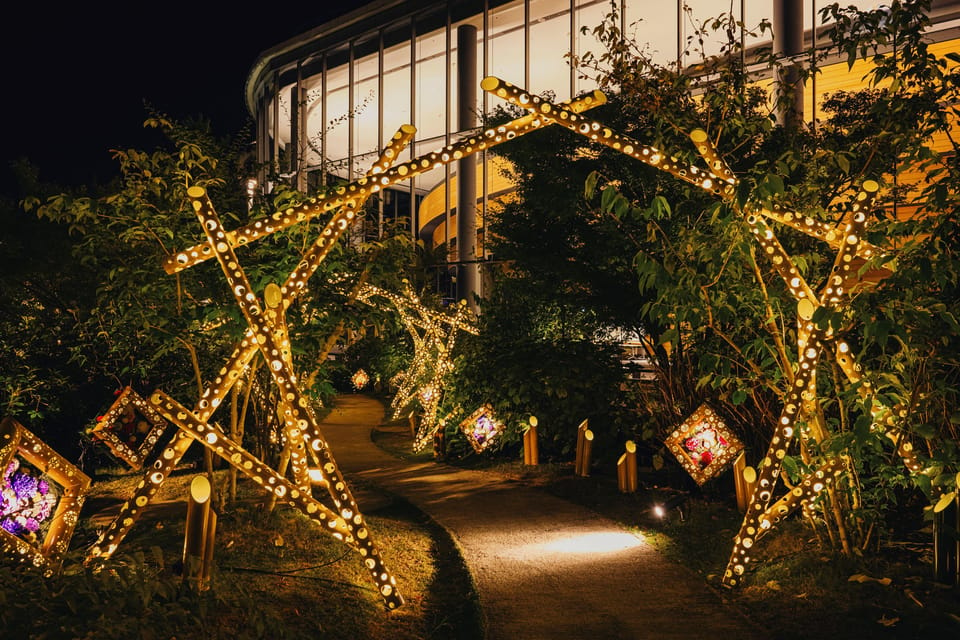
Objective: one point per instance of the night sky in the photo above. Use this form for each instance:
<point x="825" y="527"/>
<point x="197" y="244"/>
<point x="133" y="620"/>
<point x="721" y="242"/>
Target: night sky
<point x="76" y="76"/>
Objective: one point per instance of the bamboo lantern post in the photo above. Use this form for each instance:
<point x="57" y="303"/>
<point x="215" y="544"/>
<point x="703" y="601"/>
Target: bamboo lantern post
<point x="630" y="461"/>
<point x="745" y="481"/>
<point x="195" y="537"/>
<point x="622" y="473"/>
<point x="531" y="453"/>
<point x="584" y="449"/>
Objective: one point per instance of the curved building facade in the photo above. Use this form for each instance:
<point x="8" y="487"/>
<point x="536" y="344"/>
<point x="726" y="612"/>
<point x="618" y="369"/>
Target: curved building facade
<point x="326" y="101"/>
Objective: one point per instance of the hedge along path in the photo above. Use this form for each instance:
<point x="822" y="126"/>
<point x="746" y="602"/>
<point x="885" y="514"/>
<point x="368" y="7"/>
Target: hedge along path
<point x="852" y="253"/>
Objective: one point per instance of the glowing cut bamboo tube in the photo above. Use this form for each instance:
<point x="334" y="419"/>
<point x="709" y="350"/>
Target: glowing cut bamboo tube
<point x="285" y="379"/>
<point x="195" y="532"/>
<point x="744" y="481"/>
<point x="585" y="452"/>
<point x="809" y="488"/>
<point x="709" y="153"/>
<point x="596" y="131"/>
<point x="531" y="450"/>
<point x="582" y="428"/>
<point x="364" y="187"/>
<point x="631" y="468"/>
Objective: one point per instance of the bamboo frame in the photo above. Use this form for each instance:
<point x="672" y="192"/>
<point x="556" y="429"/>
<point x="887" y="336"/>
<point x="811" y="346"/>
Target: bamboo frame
<point x="724" y="448"/>
<point x="481" y="441"/>
<point x="17" y="440"/>
<point x="106" y="429"/>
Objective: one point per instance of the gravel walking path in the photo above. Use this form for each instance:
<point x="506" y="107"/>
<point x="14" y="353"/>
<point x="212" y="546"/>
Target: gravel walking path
<point x="543" y="567"/>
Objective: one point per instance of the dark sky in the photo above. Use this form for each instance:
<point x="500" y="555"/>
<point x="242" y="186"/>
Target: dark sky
<point x="76" y="75"/>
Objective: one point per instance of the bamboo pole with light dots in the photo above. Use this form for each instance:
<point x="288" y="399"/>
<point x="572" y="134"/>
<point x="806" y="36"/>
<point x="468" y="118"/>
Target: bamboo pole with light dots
<point x="214" y="394"/>
<point x="276" y="353"/>
<point x="382" y="178"/>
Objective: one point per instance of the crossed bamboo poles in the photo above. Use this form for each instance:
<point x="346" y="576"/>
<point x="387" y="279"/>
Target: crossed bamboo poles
<point x="264" y="336"/>
<point x="800" y="402"/>
<point x="434" y="335"/>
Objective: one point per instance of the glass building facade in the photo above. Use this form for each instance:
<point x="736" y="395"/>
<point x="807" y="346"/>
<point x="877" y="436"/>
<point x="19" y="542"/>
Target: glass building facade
<point x="326" y="101"/>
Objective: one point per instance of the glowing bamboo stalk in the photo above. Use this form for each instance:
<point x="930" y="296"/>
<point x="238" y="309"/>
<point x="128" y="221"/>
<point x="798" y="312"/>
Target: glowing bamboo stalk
<point x="276" y="353"/>
<point x="709" y="153"/>
<point x="367" y="186"/>
<point x="809" y="488"/>
<point x="558" y="114"/>
<point x="251" y="466"/>
<point x="195" y="531"/>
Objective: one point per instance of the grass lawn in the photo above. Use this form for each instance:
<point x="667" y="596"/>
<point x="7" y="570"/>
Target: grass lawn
<point x="277" y="575"/>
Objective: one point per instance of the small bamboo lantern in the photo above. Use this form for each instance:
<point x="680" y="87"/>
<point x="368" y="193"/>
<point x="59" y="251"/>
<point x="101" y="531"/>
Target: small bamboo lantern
<point x="130" y="439"/>
<point x="584" y="449"/>
<point x="481" y="428"/>
<point x="197" y="537"/>
<point x="627" y="468"/>
<point x="16" y="440"/>
<point x="531" y="454"/>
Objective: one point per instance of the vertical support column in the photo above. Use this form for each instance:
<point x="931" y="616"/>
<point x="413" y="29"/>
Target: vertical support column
<point x="293" y="160"/>
<point x="468" y="276"/>
<point x="275" y="143"/>
<point x="788" y="43"/>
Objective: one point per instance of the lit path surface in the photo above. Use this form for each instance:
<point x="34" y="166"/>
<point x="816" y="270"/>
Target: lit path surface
<point x="543" y="567"/>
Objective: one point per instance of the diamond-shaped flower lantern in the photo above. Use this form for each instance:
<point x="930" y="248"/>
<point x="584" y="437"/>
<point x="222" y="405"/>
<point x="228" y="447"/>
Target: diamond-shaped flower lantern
<point x="360" y="379"/>
<point x="481" y="428"/>
<point x="703" y="444"/>
<point x="41" y="495"/>
<point x="131" y="428"/>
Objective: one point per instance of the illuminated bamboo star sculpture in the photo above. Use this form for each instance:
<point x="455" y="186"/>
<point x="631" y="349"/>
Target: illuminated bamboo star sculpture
<point x="266" y="334"/>
<point x="434" y="334"/>
<point x="852" y="253"/>
<point x="346" y="201"/>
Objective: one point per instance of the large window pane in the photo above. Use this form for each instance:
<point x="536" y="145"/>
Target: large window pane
<point x="506" y="53"/>
<point x="549" y="47"/>
<point x="366" y="110"/>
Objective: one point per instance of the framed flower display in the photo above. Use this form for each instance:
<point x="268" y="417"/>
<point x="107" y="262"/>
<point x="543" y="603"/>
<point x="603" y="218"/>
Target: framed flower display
<point x="481" y="428"/>
<point x="131" y="428"/>
<point x="359" y="379"/>
<point x="41" y="494"/>
<point x="703" y="444"/>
